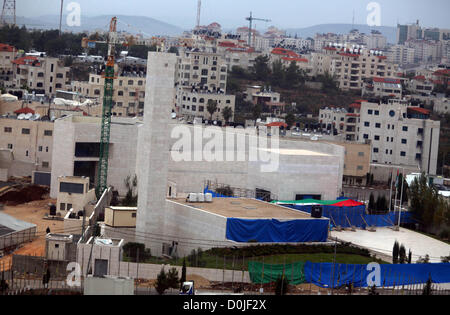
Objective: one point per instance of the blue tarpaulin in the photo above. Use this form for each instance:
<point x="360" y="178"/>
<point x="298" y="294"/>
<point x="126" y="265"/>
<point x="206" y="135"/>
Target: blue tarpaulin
<point x="321" y="274"/>
<point x="274" y="231"/>
<point x="347" y="217"/>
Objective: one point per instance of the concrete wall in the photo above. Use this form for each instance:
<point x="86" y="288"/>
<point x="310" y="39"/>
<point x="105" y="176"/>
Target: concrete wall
<point x="3" y="175"/>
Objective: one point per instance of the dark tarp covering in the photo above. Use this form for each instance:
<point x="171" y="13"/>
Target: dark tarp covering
<point x="274" y="231"/>
<point x="321" y="274"/>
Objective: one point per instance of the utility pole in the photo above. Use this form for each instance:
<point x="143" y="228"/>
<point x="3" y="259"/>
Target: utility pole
<point x="401" y="197"/>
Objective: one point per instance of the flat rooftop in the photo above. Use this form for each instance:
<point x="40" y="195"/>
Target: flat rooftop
<point x="4" y="230"/>
<point x="246" y="209"/>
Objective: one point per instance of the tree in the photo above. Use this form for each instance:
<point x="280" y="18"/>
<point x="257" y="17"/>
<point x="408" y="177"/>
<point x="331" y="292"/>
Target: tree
<point x="409" y="257"/>
<point x="402" y="255"/>
<point x="277" y="76"/>
<point x="281" y="285"/>
<point x="172" y="279"/>
<point x="427" y="206"/>
<point x="428" y="290"/>
<point x="292" y="76"/>
<point x="131" y="198"/>
<point x="211" y="107"/>
<point x="256" y="111"/>
<point x="290" y="120"/>
<point x="261" y="69"/>
<point x="227" y="113"/>
<point x="395" y="253"/>
<point x="371" y="203"/>
<point x="161" y="284"/>
<point x="173" y="50"/>
<point x="425" y="260"/>
<point x="183" y="272"/>
<point x="373" y="290"/>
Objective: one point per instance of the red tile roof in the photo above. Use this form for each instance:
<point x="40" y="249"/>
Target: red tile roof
<point x="227" y="44"/>
<point x="6" y="47"/>
<point x="27" y="60"/>
<point x="349" y="55"/>
<point x="25" y="110"/>
<point x="277" y="124"/>
<point x="284" y="52"/>
<point x="355" y="105"/>
<point x="420" y="78"/>
<point x="419" y="110"/>
<point x="386" y="80"/>
<point x="442" y="72"/>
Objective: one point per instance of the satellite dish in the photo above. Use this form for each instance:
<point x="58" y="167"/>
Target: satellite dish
<point x="174" y="115"/>
<point x="28" y="116"/>
<point x="37" y="117"/>
<point x="21" y="117"/>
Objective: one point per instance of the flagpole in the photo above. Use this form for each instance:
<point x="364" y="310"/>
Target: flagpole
<point x="396" y="191"/>
<point x="401" y="198"/>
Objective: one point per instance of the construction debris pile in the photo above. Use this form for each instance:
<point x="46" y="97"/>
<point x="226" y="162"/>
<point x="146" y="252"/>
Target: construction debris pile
<point x="19" y="194"/>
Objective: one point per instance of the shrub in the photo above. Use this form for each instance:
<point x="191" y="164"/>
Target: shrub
<point x="161" y="284"/>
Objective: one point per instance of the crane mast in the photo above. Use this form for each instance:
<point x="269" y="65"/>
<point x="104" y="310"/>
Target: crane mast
<point x="102" y="176"/>
<point x="251" y="19"/>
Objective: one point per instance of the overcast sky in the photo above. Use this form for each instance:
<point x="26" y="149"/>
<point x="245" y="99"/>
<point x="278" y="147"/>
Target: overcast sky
<point x="231" y="13"/>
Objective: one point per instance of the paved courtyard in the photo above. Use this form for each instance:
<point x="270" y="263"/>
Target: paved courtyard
<point x="383" y="241"/>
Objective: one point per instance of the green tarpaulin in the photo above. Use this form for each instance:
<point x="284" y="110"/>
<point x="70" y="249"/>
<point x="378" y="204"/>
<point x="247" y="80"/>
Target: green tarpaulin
<point x="270" y="273"/>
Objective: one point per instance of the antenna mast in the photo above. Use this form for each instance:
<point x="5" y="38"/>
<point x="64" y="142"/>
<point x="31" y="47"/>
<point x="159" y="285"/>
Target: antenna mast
<point x="199" y="10"/>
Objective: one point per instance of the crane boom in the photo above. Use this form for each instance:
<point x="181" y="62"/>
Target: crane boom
<point x="102" y="179"/>
<point x="251" y="19"/>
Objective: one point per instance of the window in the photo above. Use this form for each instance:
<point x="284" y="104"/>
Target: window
<point x="402" y="153"/>
<point x="366" y="136"/>
<point x="377" y="138"/>
<point x="377" y="125"/>
<point x="56" y="245"/>
<point x="133" y="215"/>
<point x="48" y="133"/>
<point x="404" y="141"/>
<point x="10" y="146"/>
<point x="370" y="112"/>
<point x="405" y="128"/>
<point x="8" y="129"/>
<point x="45" y="164"/>
<point x="366" y="124"/>
<point x="25" y="131"/>
<point x="62" y="206"/>
<point x="69" y="206"/>
<point x="40" y="148"/>
<point x="201" y="109"/>
<point x="360" y="153"/>
<point x="359" y="168"/>
<point x="377" y="113"/>
<point x="130" y="82"/>
<point x="375" y="150"/>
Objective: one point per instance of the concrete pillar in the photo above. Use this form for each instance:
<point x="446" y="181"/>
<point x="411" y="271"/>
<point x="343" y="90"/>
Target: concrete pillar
<point x="153" y="149"/>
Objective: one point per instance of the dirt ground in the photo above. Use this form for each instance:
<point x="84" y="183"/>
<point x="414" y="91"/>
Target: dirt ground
<point x="32" y="212"/>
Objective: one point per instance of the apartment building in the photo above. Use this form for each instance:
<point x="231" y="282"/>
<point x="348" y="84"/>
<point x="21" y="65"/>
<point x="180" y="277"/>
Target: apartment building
<point x="333" y="119"/>
<point x="351" y="67"/>
<point x="400" y="134"/>
<point x="7" y="55"/>
<point x="382" y="87"/>
<point x="128" y="97"/>
<point x="44" y="75"/>
<point x="205" y="70"/>
<point x="401" y="54"/>
<point x="420" y="85"/>
<point x="426" y="50"/>
<point x="193" y="104"/>
<point x="30" y="142"/>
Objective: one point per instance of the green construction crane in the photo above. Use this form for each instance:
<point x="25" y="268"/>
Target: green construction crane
<point x="102" y="179"/>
